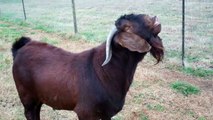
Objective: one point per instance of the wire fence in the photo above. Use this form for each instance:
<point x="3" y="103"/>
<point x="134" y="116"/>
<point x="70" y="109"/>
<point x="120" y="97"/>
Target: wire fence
<point x="199" y="32"/>
<point x="96" y="17"/>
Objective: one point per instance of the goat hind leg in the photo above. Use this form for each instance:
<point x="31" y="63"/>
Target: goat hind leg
<point x="32" y="107"/>
<point x="32" y="111"/>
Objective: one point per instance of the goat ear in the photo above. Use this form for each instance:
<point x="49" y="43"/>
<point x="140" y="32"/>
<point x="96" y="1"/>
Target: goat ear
<point x="133" y="42"/>
<point x="124" y="25"/>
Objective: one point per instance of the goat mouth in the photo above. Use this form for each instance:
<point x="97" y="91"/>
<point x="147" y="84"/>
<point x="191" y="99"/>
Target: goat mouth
<point x="157" y="49"/>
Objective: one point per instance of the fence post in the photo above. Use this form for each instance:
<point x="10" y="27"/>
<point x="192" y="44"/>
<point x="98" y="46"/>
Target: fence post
<point x="25" y="17"/>
<point x="183" y="33"/>
<point x="74" y="17"/>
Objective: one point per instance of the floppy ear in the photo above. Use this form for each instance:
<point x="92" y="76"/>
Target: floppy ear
<point x="124" y="25"/>
<point x="133" y="42"/>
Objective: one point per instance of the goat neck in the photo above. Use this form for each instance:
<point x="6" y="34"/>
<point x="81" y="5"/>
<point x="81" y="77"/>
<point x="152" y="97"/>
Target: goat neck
<point x="116" y="77"/>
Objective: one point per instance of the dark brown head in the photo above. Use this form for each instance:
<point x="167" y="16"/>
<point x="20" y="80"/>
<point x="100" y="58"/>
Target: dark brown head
<point x="137" y="33"/>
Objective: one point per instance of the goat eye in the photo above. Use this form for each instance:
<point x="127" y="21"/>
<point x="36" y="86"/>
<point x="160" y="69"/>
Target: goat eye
<point x="127" y="28"/>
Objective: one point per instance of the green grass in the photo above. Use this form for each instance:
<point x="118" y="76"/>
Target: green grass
<point x="190" y="113"/>
<point x="199" y="72"/>
<point x="138" y="98"/>
<point x="143" y="117"/>
<point x="8" y="34"/>
<point x="50" y="41"/>
<point x="173" y="53"/>
<point x="30" y="24"/>
<point x="4" y="62"/>
<point x="23" y="23"/>
<point x="184" y="88"/>
<point x="156" y="107"/>
<point x="211" y="62"/>
<point x="17" y="21"/>
<point x="201" y="118"/>
<point x="45" y="28"/>
<point x="191" y="59"/>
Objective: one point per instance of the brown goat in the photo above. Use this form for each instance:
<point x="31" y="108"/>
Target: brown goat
<point x="81" y="82"/>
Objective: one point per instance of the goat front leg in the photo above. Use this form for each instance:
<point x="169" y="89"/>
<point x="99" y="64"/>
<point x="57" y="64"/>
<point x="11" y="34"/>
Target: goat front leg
<point x="85" y="114"/>
<point x="106" y="118"/>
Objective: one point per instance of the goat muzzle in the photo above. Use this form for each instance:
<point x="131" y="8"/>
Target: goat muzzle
<point x="157" y="50"/>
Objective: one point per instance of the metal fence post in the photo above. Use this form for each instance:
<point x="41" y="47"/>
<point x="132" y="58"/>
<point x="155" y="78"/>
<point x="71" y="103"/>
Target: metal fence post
<point x="25" y="17"/>
<point x="183" y="33"/>
<point x="74" y="17"/>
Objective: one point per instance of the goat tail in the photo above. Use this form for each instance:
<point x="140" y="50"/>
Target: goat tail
<point x="19" y="43"/>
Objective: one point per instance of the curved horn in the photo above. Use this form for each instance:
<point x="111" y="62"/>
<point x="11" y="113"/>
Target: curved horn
<point x="156" y="21"/>
<point x="108" y="46"/>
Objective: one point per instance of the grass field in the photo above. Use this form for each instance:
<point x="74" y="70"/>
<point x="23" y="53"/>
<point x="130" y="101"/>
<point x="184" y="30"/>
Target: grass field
<point x="159" y="92"/>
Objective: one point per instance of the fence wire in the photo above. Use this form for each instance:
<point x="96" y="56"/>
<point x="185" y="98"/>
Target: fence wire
<point x="96" y="17"/>
<point x="199" y="32"/>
